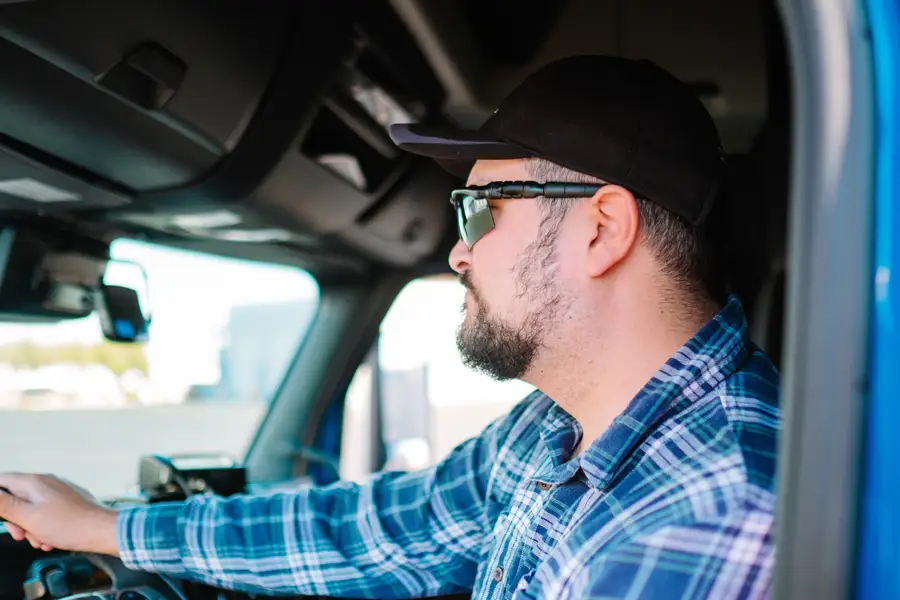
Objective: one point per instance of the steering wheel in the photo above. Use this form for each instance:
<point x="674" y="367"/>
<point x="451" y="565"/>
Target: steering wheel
<point x="50" y="580"/>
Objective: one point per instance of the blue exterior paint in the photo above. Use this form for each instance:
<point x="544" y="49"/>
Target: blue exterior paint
<point x="879" y="552"/>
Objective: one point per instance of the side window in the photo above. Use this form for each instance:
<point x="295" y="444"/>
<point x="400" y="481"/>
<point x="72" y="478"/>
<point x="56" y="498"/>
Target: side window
<point x="430" y="401"/>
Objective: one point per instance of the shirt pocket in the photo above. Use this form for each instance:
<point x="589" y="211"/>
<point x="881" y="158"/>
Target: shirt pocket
<point x="495" y="535"/>
<point x="521" y="589"/>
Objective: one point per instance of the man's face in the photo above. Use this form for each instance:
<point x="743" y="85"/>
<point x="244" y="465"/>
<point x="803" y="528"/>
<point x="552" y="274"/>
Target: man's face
<point x="513" y="280"/>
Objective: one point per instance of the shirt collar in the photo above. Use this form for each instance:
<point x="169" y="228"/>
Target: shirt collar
<point x="695" y="369"/>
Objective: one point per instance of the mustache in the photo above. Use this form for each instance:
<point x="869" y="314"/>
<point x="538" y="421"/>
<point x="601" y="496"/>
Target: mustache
<point x="466" y="280"/>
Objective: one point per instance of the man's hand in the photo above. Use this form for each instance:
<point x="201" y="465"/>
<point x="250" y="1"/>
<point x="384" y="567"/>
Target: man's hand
<point x="51" y="513"/>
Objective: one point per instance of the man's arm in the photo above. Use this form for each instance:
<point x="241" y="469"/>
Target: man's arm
<point x="398" y="535"/>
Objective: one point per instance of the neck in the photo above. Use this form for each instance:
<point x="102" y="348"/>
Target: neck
<point x="613" y="363"/>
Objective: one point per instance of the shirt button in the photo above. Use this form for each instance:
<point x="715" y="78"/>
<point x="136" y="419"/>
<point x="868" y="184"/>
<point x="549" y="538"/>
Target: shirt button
<point x="498" y="574"/>
<point x="544" y="486"/>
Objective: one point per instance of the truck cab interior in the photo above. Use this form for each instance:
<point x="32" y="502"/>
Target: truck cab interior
<point x="259" y="131"/>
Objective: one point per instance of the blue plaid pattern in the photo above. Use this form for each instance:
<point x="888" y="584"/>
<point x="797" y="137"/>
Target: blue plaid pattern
<point x="675" y="500"/>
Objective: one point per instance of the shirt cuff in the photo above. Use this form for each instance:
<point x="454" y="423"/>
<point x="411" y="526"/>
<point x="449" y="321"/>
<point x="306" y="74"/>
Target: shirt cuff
<point x="148" y="537"/>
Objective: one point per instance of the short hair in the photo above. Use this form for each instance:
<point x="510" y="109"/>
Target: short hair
<point x="683" y="250"/>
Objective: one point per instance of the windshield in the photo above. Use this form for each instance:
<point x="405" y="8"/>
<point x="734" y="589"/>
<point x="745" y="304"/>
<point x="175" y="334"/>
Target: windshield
<point x="223" y="334"/>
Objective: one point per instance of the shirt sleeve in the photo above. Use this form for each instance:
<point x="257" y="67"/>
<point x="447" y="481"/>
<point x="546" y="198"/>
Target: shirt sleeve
<point x="731" y="558"/>
<point x="398" y="535"/>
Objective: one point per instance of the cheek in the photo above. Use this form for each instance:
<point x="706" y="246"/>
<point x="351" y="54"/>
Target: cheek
<point x="494" y="279"/>
<point x="568" y="273"/>
<point x="571" y="266"/>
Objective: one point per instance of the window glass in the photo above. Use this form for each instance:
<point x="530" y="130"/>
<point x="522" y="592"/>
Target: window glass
<point x="430" y="401"/>
<point x="223" y="333"/>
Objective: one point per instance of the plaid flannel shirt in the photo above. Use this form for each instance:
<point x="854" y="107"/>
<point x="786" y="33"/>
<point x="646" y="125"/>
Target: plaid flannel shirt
<point x="675" y="500"/>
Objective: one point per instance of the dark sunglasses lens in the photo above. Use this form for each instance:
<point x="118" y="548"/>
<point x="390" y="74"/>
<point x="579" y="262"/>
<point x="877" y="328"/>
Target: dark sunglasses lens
<point x="474" y="218"/>
<point x="461" y="222"/>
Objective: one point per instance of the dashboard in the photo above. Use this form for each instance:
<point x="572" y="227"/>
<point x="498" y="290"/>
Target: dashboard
<point x="31" y="575"/>
<point x="28" y="574"/>
<point x="94" y="577"/>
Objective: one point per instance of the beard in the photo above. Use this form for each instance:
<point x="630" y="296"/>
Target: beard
<point x="504" y="351"/>
<point x="495" y="348"/>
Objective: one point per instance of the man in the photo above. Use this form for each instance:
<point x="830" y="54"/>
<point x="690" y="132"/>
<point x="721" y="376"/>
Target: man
<point x="644" y="466"/>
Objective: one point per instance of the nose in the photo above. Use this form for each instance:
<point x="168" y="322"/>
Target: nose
<point x="460" y="258"/>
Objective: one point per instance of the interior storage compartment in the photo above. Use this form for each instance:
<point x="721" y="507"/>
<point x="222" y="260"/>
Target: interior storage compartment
<point x="227" y="121"/>
<point x="316" y="161"/>
<point x="162" y="90"/>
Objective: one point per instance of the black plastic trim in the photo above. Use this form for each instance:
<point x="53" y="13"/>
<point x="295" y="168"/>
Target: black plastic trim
<point x="148" y="155"/>
<point x="286" y="110"/>
<point x="323" y="364"/>
<point x="361" y="123"/>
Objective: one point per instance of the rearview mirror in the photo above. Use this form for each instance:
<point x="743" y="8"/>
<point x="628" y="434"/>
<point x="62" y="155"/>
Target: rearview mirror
<point x="122" y="302"/>
<point x="48" y="276"/>
<point x="121" y="316"/>
<point x="39" y="283"/>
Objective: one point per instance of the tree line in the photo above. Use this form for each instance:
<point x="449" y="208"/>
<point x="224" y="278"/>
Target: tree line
<point x="118" y="358"/>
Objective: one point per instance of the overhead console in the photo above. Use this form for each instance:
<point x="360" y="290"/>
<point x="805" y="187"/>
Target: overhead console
<point x="716" y="47"/>
<point x="232" y="122"/>
<point x="146" y="95"/>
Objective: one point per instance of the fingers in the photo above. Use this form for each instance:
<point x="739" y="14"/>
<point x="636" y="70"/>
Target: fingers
<point x="19" y="534"/>
<point x="15" y="489"/>
<point x="15" y="532"/>
<point x="15" y="492"/>
<point x="38" y="544"/>
<point x="10" y="506"/>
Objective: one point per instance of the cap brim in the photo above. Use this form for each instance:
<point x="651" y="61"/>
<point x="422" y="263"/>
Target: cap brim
<point x="456" y="150"/>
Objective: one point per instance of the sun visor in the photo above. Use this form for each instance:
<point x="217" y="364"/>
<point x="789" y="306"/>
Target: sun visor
<point x="135" y="93"/>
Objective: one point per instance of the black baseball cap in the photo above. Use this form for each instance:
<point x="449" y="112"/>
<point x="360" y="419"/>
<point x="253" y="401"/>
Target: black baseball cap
<point x="627" y="122"/>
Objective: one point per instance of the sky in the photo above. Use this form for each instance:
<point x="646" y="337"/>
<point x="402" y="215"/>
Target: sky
<point x="191" y="295"/>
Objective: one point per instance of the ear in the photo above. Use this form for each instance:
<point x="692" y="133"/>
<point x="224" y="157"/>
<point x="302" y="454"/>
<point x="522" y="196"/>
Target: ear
<point x="615" y="224"/>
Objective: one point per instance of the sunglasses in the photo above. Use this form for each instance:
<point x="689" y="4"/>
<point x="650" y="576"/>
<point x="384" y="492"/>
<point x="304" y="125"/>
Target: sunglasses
<point x="473" y="211"/>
